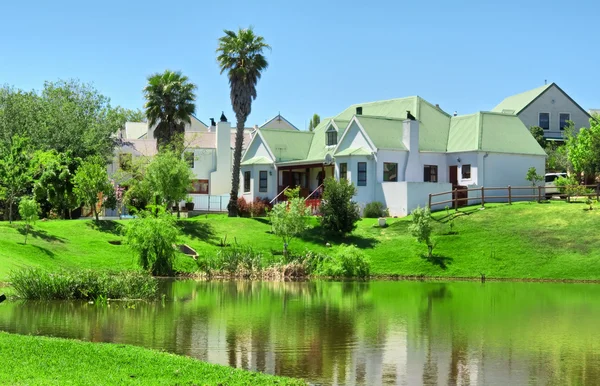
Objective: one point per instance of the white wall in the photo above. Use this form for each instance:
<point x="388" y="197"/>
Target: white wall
<point x="471" y="158"/>
<point x="354" y="138"/>
<point x="510" y="169"/>
<point x="255" y="182"/>
<point x="204" y="163"/>
<point x="562" y="104"/>
<point x="220" y="179"/>
<point x="256" y="149"/>
<point x="417" y="194"/>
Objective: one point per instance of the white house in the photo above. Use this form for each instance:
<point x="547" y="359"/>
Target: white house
<point x="394" y="151"/>
<point x="548" y="107"/>
<point x="209" y="149"/>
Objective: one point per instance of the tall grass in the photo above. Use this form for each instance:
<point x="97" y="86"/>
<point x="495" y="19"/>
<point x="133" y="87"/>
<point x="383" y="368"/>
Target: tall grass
<point x="37" y="284"/>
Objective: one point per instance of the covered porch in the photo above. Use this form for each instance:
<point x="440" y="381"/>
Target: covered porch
<point x="309" y="177"/>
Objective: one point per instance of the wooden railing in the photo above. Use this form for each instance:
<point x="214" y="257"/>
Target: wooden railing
<point x="313" y="192"/>
<point x="538" y="193"/>
<point x="280" y="193"/>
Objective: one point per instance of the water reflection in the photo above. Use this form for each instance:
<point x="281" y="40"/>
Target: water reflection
<point x="353" y="333"/>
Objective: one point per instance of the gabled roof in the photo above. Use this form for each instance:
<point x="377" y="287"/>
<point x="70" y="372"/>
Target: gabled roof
<point x="281" y="118"/>
<point x="517" y="103"/>
<point x="385" y="133"/>
<point x="287" y="145"/>
<point x="257" y="161"/>
<point x="353" y="151"/>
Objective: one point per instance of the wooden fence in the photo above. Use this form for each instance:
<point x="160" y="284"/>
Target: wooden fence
<point x="516" y="193"/>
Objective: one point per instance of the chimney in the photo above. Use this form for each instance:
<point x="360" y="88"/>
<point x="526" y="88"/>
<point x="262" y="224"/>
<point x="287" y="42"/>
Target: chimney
<point x="413" y="170"/>
<point x="359" y="110"/>
<point x="223" y="117"/>
<point x="436" y="105"/>
<point x="455" y="113"/>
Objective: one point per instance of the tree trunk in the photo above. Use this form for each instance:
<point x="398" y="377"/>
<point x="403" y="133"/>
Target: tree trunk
<point x="93" y="211"/>
<point x="26" y="232"/>
<point x="232" y="207"/>
<point x="10" y="209"/>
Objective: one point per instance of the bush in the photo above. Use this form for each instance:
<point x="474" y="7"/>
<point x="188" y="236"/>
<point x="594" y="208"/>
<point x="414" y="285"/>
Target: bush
<point x="258" y="208"/>
<point x="339" y="212"/>
<point x="29" y="210"/>
<point x="243" y="207"/>
<point x="349" y="261"/>
<point x="152" y="237"/>
<point x="421" y="227"/>
<point x="374" y="209"/>
<point x="238" y="260"/>
<point x="288" y="218"/>
<point x="36" y="284"/>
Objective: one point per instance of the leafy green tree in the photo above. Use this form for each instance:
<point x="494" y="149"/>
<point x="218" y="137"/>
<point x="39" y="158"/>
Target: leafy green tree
<point x="288" y="219"/>
<point x="241" y="56"/>
<point x="15" y="171"/>
<point x="583" y="149"/>
<point x="169" y="105"/>
<point x="169" y="177"/>
<point x="538" y="133"/>
<point x="314" y="122"/>
<point x="558" y="159"/>
<point x="53" y="187"/>
<point x="339" y="214"/>
<point x="29" y="210"/>
<point x="421" y="228"/>
<point x="91" y="181"/>
<point x="533" y="177"/>
<point x="152" y="237"/>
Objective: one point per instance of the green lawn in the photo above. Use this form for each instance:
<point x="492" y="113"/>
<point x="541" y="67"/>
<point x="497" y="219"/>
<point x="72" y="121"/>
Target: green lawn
<point x="50" y="361"/>
<point x="525" y="240"/>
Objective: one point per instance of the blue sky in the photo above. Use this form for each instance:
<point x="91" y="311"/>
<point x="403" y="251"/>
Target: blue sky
<point x="464" y="55"/>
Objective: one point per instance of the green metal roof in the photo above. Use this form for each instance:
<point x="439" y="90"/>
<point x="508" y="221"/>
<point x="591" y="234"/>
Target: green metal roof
<point x="516" y="103"/>
<point x="353" y="151"/>
<point x="287" y="145"/>
<point x="257" y="161"/>
<point x="385" y="133"/>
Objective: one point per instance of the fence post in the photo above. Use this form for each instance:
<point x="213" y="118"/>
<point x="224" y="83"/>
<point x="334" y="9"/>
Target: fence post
<point x="455" y="198"/>
<point x="482" y="197"/>
<point x="220" y="203"/>
<point x="208" y="210"/>
<point x="539" y="194"/>
<point x="509" y="195"/>
<point x="429" y="201"/>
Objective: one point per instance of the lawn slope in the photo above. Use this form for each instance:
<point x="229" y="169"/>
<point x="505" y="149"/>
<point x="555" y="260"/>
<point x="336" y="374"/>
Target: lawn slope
<point x="50" y="361"/>
<point x="525" y="240"/>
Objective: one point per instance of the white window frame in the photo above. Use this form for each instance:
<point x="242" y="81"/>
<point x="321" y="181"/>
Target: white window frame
<point x="559" y="114"/>
<point x="549" y="120"/>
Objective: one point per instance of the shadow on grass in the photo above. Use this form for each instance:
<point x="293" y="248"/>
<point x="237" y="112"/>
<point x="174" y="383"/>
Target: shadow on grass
<point x="440" y="261"/>
<point x="263" y="220"/>
<point x="45" y="251"/>
<point x="318" y="235"/>
<point x="106" y="226"/>
<point x="198" y="230"/>
<point x="40" y="234"/>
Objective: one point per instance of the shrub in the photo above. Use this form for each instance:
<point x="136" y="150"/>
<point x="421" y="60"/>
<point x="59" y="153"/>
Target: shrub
<point x="339" y="213"/>
<point x="421" y="227"/>
<point x="260" y="207"/>
<point x="37" y="284"/>
<point x="288" y="219"/>
<point x="374" y="209"/>
<point x="28" y="209"/>
<point x="238" y="260"/>
<point x="349" y="261"/>
<point x="152" y="237"/>
<point x="243" y="207"/>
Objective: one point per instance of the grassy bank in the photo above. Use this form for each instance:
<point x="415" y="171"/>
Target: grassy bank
<point x="525" y="240"/>
<point x="51" y="361"/>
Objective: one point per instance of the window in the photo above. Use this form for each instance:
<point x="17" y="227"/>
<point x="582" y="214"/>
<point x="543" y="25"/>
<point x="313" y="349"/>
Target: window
<point x="362" y="174"/>
<point x="189" y="158"/>
<point x="331" y="137"/>
<point x="262" y="183"/>
<point x="344" y="171"/>
<point x="390" y="172"/>
<point x="199" y="186"/>
<point x="125" y="160"/>
<point x="563" y="120"/>
<point x="246" y="182"/>
<point x="544" y="121"/>
<point x="466" y="172"/>
<point x="430" y="173"/>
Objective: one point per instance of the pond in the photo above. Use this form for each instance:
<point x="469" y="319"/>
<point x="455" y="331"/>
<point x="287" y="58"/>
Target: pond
<point x="353" y="333"/>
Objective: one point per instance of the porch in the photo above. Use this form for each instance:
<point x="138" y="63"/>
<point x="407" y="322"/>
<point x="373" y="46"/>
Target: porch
<point x="308" y="177"/>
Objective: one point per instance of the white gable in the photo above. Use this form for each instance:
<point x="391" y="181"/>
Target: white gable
<point x="354" y="138"/>
<point x="257" y="149"/>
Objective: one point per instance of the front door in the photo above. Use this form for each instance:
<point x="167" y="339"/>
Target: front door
<point x="453" y="175"/>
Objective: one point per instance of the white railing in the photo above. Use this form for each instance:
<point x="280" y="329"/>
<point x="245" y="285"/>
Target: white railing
<point x="210" y="203"/>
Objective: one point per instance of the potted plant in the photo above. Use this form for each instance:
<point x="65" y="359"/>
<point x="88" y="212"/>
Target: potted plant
<point x="189" y="203"/>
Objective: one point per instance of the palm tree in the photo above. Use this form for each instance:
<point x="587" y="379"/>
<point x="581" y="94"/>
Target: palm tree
<point x="169" y="105"/>
<point x="240" y="54"/>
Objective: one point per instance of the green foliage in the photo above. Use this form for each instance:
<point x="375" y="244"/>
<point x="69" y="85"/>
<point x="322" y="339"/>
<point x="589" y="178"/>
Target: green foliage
<point x="348" y="261"/>
<point x="374" y="209"/>
<point x="241" y="56"/>
<point x="557" y="159"/>
<point x="152" y="236"/>
<point x="538" y="133"/>
<point x="237" y="260"/>
<point x="421" y="228"/>
<point x="339" y="214"/>
<point x="37" y="284"/>
<point x="289" y="218"/>
<point x="168" y="176"/>
<point x="91" y="180"/>
<point x="584" y="149"/>
<point x="15" y="170"/>
<point x="533" y="177"/>
<point x="28" y="210"/>
<point x="169" y="105"/>
<point x="53" y="174"/>
<point x="314" y="122"/>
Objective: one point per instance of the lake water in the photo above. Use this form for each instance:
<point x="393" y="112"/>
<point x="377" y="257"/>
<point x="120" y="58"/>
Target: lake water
<point x="353" y="333"/>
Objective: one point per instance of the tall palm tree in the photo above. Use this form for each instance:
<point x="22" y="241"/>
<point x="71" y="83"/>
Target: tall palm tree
<point x="169" y="105"/>
<point x="241" y="55"/>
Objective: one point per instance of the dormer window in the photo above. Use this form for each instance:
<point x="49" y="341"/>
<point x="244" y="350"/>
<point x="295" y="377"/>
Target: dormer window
<point x="331" y="136"/>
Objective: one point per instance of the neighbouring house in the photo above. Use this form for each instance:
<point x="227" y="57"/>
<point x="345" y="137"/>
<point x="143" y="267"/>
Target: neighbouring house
<point x="548" y="107"/>
<point x="209" y="149"/>
<point x="394" y="151"/>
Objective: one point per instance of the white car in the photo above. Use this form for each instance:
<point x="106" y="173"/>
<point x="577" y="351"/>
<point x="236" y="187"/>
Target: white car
<point x="551" y="188"/>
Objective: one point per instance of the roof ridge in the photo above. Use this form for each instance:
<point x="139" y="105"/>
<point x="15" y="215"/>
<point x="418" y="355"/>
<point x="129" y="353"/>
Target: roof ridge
<point x="285" y="131"/>
<point x="380" y="117"/>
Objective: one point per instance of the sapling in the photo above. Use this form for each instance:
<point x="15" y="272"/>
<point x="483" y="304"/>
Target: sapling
<point x="28" y="209"/>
